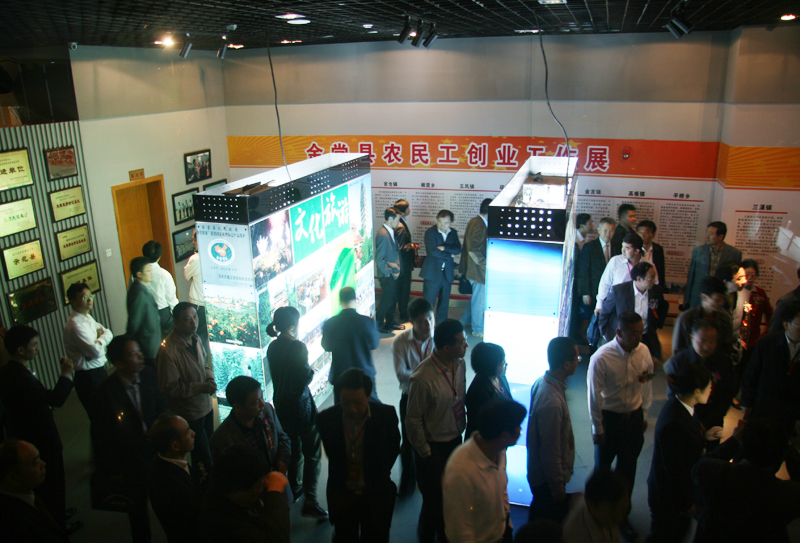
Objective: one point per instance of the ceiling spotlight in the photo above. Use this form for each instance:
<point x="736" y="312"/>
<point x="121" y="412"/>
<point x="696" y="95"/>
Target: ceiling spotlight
<point x="406" y="32"/>
<point x="167" y="41"/>
<point x="372" y="32"/>
<point x="431" y="37"/>
<point x="679" y="21"/>
<point x="224" y="36"/>
<point x="367" y="26"/>
<point x="545" y="2"/>
<point x="529" y="31"/>
<point x="222" y="50"/>
<point x="674" y="30"/>
<point x="232" y="46"/>
<point x="289" y="16"/>
<point x="298" y="22"/>
<point x="788" y="17"/>
<point x="185" y="51"/>
<point x="413" y="34"/>
<point x="417" y="41"/>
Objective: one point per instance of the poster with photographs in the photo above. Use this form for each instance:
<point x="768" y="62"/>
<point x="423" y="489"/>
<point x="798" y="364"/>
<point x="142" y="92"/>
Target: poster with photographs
<point x="197" y="166"/>
<point x="231" y="316"/>
<point x="183" y="244"/>
<point x="60" y="163"/>
<point x="231" y="361"/>
<point x="183" y="206"/>
<point x="32" y="302"/>
<point x="311" y="284"/>
<point x="272" y="247"/>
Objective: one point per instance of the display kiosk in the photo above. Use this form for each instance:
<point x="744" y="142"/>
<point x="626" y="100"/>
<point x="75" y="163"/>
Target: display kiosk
<point x="529" y="268"/>
<point x="291" y="236"/>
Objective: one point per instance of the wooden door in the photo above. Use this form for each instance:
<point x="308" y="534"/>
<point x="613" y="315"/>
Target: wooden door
<point x="141" y="212"/>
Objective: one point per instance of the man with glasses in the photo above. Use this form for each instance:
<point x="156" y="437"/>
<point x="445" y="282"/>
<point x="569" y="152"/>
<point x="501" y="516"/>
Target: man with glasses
<point x="85" y="341"/>
<point x="551" y="443"/>
<point x="771" y="386"/>
<point x="435" y="420"/>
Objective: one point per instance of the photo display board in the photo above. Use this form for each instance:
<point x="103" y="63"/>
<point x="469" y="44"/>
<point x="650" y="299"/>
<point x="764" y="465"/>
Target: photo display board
<point x="302" y="256"/>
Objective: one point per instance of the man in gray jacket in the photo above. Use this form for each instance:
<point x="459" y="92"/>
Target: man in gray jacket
<point x="387" y="261"/>
<point x="473" y="266"/>
<point x="707" y="259"/>
<point x="144" y="322"/>
<point x="551" y="443"/>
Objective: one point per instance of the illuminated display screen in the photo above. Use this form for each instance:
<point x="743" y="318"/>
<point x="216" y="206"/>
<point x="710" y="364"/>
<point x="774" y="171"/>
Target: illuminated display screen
<point x="300" y="256"/>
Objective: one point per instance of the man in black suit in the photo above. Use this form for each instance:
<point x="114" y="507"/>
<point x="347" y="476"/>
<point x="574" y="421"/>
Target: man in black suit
<point x="594" y="257"/>
<point x="126" y="406"/>
<point x="144" y="321"/>
<point x="783" y="305"/>
<point x="441" y="243"/>
<point x="362" y="442"/>
<point x="387" y="263"/>
<point x="652" y="252"/>
<point x="173" y="492"/>
<point x="402" y="235"/>
<point x="744" y="502"/>
<point x="24" y="518"/>
<point x="28" y="411"/>
<point x="643" y="297"/>
<point x="771" y="386"/>
<point x="350" y="338"/>
<point x="626" y="224"/>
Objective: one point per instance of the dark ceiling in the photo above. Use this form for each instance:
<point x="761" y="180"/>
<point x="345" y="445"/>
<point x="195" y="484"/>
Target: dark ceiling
<point x="138" y="23"/>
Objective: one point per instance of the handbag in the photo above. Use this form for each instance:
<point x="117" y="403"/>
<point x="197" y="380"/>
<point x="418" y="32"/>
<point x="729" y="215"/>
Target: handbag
<point x="593" y="333"/>
<point x="464" y="286"/>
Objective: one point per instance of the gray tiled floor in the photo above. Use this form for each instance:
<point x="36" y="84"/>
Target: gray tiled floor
<point x="103" y="526"/>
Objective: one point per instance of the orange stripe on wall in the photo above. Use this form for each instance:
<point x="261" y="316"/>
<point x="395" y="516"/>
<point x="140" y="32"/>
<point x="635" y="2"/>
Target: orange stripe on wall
<point x="761" y="167"/>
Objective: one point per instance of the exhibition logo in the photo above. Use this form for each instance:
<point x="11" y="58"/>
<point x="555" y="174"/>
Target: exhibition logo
<point x="221" y="252"/>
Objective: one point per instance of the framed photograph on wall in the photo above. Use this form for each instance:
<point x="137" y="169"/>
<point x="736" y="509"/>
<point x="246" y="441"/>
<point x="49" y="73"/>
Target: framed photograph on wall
<point x="22" y="259"/>
<point x="32" y="302"/>
<point x="15" y="169"/>
<point x="183" y="206"/>
<point x="67" y="203"/>
<point x="60" y="162"/>
<point x="73" y="242"/>
<point x="182" y="243"/>
<point x="197" y="166"/>
<point x="215" y="184"/>
<point x="85" y="273"/>
<point x="16" y="217"/>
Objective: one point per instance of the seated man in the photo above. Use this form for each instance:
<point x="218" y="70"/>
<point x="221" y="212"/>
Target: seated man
<point x="253" y="423"/>
<point x="744" y="502"/>
<point x="23" y="516"/>
<point x="604" y="506"/>
<point x="246" y="501"/>
<point x="362" y="442"/>
<point x="173" y="493"/>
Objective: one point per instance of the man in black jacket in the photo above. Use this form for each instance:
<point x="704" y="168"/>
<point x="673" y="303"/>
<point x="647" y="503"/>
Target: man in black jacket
<point x="362" y="442"/>
<point x="402" y="235"/>
<point x="594" y="257"/>
<point x="173" y="492"/>
<point x="771" y="386"/>
<point x="350" y="338"/>
<point x="28" y="411"/>
<point x="438" y="268"/>
<point x="626" y="224"/>
<point x="652" y="252"/>
<point x="144" y="321"/>
<point x="24" y="518"/>
<point x="126" y="406"/>
<point x="246" y="501"/>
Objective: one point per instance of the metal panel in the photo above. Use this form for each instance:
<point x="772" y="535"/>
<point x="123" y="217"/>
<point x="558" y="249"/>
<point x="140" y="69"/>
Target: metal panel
<point x="38" y="138"/>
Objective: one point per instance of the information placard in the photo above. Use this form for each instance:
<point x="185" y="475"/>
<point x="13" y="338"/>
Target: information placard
<point x="22" y="259"/>
<point x="15" y="169"/>
<point x="32" y="302"/>
<point x="67" y="203"/>
<point x="85" y="273"/>
<point x="73" y="242"/>
<point x="17" y="216"/>
<point x="60" y="162"/>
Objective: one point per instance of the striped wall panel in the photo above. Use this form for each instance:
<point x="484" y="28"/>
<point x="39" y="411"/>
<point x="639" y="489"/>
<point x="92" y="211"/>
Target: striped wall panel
<point x="36" y="139"/>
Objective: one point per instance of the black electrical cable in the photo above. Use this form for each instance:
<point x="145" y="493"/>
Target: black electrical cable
<point x="277" y="113"/>
<point x="547" y="97"/>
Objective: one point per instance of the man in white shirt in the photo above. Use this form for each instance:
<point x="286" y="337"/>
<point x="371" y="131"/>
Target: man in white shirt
<point x="436" y="419"/>
<point x="619" y="268"/>
<point x="409" y="348"/>
<point x="620" y="393"/>
<point x="194" y="275"/>
<point x="162" y="286"/>
<point x="85" y="341"/>
<point x="476" y="508"/>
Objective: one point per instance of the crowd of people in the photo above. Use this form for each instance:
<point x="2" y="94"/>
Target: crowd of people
<point x="154" y="442"/>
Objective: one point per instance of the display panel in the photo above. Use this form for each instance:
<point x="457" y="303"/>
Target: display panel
<point x="300" y="256"/>
<point x="32" y="302"/>
<point x="17" y="216"/>
<point x="73" y="242"/>
<point x="15" y="169"/>
<point x="22" y="259"/>
<point x="67" y="203"/>
<point x="60" y="162"/>
<point x="85" y="273"/>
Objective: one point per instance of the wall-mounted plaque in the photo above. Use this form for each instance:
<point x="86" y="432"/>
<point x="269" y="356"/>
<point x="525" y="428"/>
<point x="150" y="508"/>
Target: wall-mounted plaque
<point x="22" y="259"/>
<point x="67" y="203"/>
<point x="183" y="206"/>
<point x="73" y="242"/>
<point x="32" y="302"/>
<point x="17" y="216"/>
<point x="182" y="243"/>
<point x="85" y="273"/>
<point x="60" y="162"/>
<point x="197" y="166"/>
<point x="15" y="169"/>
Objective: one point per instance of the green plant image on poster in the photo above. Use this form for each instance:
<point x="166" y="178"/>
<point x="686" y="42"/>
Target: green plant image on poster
<point x="341" y="274"/>
<point x="308" y="233"/>
<point x="231" y="361"/>
<point x="231" y="316"/>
